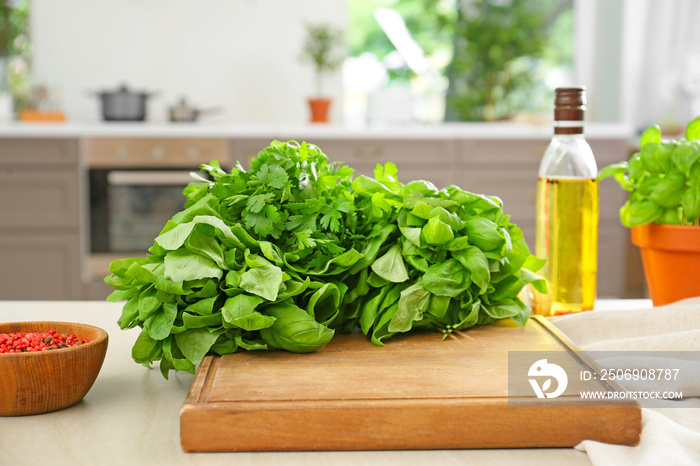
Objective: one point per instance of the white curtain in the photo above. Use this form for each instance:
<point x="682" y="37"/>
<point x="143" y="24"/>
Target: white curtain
<point x="660" y="68"/>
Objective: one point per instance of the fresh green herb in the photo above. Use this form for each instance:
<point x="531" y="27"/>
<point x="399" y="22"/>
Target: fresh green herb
<point x="295" y="249"/>
<point x="663" y="179"/>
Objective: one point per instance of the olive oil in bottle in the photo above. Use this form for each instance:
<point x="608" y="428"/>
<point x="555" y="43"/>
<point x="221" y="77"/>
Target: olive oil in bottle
<point x="567" y="209"/>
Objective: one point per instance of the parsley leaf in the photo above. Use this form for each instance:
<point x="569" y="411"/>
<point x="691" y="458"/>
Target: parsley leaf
<point x="256" y="202"/>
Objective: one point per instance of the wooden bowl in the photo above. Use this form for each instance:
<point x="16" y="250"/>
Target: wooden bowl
<point x="41" y="382"/>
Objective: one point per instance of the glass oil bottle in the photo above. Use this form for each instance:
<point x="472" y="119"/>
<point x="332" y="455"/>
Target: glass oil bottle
<point x="567" y="208"/>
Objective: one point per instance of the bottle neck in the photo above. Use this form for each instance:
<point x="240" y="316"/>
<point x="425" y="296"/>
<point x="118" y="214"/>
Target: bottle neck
<point x="568" y="127"/>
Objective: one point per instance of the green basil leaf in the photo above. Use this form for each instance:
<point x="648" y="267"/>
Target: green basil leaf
<point x="224" y="345"/>
<point x="412" y="235"/>
<point x="376" y="281"/>
<point x="422" y="187"/>
<point x="651" y="135"/>
<point x="692" y="132"/>
<point x="524" y="314"/>
<point x="195" y="343"/>
<point x="239" y="311"/>
<point x="200" y="321"/>
<point x="413" y="303"/>
<point x="685" y="155"/>
<point x="529" y="277"/>
<point x="183" y="265"/>
<point x="210" y="289"/>
<point x="381" y="328"/>
<point x="438" y="305"/>
<point x="292" y="288"/>
<point x="507" y="288"/>
<point x="367" y="186"/>
<point x="636" y="168"/>
<point x="206" y="246"/>
<point x="168" y="286"/>
<point x="159" y="323"/>
<point x="422" y="210"/>
<point x="175" y="238"/>
<point x="120" y="295"/>
<point x="148" y="303"/>
<point x="483" y="233"/>
<point x="669" y="191"/>
<point x="612" y="170"/>
<point x="120" y="266"/>
<point x="130" y="312"/>
<point x="447" y="217"/>
<point x="146" y="349"/>
<point x="505" y="309"/>
<point x="437" y="232"/>
<point x="270" y="252"/>
<point x="294" y="329"/>
<point x="691" y="204"/>
<point x="656" y="158"/>
<point x="417" y="262"/>
<point x="140" y="273"/>
<point x="694" y="176"/>
<point x="370" y="310"/>
<point x="643" y="212"/>
<point x="460" y="242"/>
<point x="474" y="260"/>
<point x="447" y="278"/>
<point x="471" y="318"/>
<point x="324" y="303"/>
<point x="250" y="345"/>
<point x="371" y="249"/>
<point x="262" y="281"/>
<point x="391" y="266"/>
<point x="670" y="217"/>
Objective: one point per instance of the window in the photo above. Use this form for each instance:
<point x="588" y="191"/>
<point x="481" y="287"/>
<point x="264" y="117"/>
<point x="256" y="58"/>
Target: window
<point x="479" y="60"/>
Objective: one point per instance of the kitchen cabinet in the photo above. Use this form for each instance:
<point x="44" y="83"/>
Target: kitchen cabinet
<point x="40" y="230"/>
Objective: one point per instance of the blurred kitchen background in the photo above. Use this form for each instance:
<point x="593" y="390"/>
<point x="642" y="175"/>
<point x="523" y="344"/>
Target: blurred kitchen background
<point x="468" y="60"/>
<point x="453" y="91"/>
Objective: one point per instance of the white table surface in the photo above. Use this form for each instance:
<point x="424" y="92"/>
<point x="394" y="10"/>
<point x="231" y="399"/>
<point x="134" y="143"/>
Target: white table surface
<point x="131" y="414"/>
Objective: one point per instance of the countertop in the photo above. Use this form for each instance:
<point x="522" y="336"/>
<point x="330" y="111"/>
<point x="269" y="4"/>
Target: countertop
<point x="131" y="414"/>
<point x="291" y="131"/>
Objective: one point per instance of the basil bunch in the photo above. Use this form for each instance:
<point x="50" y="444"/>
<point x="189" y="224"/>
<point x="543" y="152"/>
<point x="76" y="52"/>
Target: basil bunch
<point x="287" y="253"/>
<point x="663" y="179"/>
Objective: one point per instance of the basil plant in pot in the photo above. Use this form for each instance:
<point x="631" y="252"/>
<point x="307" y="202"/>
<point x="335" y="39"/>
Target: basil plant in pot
<point x="663" y="211"/>
<point x="319" y="49"/>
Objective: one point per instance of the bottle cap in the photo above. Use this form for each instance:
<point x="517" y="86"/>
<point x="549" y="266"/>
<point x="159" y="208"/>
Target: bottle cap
<point x="569" y="109"/>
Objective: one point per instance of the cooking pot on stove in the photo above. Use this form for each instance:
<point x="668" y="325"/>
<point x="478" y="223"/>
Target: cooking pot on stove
<point x="123" y="104"/>
<point x="182" y="111"/>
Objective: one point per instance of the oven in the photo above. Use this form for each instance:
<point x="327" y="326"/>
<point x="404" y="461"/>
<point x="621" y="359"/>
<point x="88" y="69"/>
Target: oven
<point x="134" y="186"/>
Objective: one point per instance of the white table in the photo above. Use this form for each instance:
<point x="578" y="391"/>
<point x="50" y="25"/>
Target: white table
<point x="131" y="414"/>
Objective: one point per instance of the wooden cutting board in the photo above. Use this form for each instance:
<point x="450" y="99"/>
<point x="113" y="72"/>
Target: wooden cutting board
<point x="418" y="392"/>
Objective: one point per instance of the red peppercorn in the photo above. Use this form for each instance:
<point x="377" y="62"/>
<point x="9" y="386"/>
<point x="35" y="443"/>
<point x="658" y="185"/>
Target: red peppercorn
<point x="35" y="341"/>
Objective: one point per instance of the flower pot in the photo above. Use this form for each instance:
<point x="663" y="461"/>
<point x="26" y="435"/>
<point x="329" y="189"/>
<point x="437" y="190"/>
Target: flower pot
<point x="671" y="259"/>
<point x="319" y="109"/>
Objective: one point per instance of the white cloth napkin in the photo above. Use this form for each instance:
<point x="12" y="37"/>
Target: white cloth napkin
<point x="670" y="436"/>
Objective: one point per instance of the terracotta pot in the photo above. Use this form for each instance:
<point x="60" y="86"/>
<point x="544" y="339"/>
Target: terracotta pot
<point x="671" y="259"/>
<point x="319" y="109"/>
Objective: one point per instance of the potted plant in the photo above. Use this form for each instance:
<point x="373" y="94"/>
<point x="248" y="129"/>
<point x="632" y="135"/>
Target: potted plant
<point x="663" y="211"/>
<point x="319" y="49"/>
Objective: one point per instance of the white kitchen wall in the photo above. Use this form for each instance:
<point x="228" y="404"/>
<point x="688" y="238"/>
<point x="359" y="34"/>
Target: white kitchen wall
<point x="238" y="54"/>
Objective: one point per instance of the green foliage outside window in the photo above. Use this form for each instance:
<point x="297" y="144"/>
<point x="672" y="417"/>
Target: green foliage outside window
<point x="498" y="51"/>
<point x="15" y="48"/>
<point x="498" y="47"/>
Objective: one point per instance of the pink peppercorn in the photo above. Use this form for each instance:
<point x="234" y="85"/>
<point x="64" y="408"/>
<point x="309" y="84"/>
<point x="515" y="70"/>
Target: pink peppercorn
<point x="36" y="341"/>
